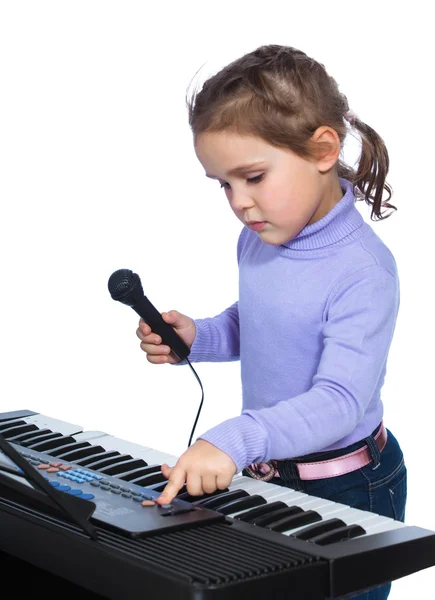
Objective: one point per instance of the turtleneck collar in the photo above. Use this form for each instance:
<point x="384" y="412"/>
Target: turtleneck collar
<point x="340" y="222"/>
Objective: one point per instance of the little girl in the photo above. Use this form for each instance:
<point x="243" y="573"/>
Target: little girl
<point x="318" y="291"/>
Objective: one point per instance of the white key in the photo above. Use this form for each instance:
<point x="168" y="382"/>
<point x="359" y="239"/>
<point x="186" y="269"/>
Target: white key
<point x="56" y="425"/>
<point x="386" y="525"/>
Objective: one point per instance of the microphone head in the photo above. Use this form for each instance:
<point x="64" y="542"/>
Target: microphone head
<point x="125" y="286"/>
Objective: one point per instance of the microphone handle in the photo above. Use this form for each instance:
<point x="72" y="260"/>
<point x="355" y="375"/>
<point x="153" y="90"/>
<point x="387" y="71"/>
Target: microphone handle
<point x="153" y="318"/>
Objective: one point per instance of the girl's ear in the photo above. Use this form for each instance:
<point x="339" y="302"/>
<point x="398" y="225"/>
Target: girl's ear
<point x="328" y="147"/>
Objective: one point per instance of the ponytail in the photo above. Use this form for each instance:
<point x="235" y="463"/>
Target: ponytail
<point x="373" y="165"/>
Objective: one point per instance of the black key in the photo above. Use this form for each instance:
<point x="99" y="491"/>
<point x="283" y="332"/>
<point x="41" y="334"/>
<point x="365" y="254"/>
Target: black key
<point x="61" y="450"/>
<point x="303" y="518"/>
<point x="216" y="501"/>
<point x="129" y="475"/>
<point x="323" y="527"/>
<point x="74" y="455"/>
<point x="122" y="467"/>
<point x="338" y="535"/>
<point x="241" y="504"/>
<point x="184" y="495"/>
<point x="159" y="487"/>
<point x="140" y="472"/>
<point x="90" y="460"/>
<point x="109" y="460"/>
<point x="15" y="430"/>
<point x="26" y="436"/>
<point x="55" y="442"/>
<point x="275" y="515"/>
<point x="41" y="438"/>
<point x="261" y="510"/>
<point x="4" y="425"/>
<point x="149" y="479"/>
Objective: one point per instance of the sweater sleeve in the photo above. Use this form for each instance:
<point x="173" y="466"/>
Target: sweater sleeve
<point x="359" y="322"/>
<point x="217" y="338"/>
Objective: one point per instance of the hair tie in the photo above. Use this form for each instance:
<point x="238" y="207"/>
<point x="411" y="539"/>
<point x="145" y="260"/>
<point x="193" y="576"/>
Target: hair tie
<point x="351" y="117"/>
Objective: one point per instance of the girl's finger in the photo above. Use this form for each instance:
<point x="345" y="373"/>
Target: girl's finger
<point x="194" y="484"/>
<point x="209" y="484"/>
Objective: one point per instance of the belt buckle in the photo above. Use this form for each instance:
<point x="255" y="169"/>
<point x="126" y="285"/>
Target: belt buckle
<point x="255" y="469"/>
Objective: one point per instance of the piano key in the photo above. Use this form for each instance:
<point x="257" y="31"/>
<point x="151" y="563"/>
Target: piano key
<point x="41" y="438"/>
<point x="306" y="533"/>
<point x="122" y="466"/>
<point x="295" y="521"/>
<point x="16" y="429"/>
<point x="215" y="501"/>
<point x="346" y="532"/>
<point x="4" y="425"/>
<point x="248" y="484"/>
<point x="149" y="479"/>
<point x="183" y="494"/>
<point x="45" y="422"/>
<point x="108" y="460"/>
<point x="77" y="453"/>
<point x="36" y="433"/>
<point x="382" y="525"/>
<point x="60" y="451"/>
<point x="139" y="472"/>
<point x="260" y="510"/>
<point x="346" y="513"/>
<point x="349" y="517"/>
<point x="49" y="445"/>
<point x="241" y="504"/>
<point x="275" y="515"/>
<point x="90" y="460"/>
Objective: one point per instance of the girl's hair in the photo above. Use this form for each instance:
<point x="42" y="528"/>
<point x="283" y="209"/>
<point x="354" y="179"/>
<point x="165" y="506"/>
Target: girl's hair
<point x="281" y="95"/>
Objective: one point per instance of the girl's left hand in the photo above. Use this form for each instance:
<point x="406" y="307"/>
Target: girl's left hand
<point x="203" y="467"/>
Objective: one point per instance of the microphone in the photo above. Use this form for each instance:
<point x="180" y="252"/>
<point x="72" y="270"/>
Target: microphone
<point x="126" y="287"/>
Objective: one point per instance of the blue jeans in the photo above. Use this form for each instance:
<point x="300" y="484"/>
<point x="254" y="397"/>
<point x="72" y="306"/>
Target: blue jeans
<point x="379" y="487"/>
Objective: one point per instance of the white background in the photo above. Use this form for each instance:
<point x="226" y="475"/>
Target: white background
<point x="98" y="173"/>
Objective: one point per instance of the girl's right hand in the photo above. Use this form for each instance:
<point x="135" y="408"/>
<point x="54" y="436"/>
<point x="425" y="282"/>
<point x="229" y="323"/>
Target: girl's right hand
<point x="151" y="343"/>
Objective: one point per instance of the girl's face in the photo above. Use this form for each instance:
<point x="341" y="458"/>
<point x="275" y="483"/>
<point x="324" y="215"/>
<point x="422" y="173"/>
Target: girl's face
<point x="278" y="195"/>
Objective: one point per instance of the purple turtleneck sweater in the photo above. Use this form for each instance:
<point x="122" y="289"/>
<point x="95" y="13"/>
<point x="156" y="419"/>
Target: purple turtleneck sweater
<point x="312" y="329"/>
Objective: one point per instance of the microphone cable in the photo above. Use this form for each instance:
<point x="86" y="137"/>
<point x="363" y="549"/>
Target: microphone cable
<point x="200" y="404"/>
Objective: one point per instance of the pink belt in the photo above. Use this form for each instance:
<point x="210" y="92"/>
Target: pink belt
<point x="322" y="469"/>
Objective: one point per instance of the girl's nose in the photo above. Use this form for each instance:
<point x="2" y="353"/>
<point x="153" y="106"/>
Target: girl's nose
<point x="241" y="201"/>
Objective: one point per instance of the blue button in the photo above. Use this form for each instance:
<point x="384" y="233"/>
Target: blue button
<point x="74" y="492"/>
<point x="64" y="488"/>
<point x="87" y="496"/>
<point x="55" y="483"/>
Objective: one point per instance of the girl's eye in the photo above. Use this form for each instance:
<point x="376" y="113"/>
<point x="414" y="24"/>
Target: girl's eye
<point x="256" y="179"/>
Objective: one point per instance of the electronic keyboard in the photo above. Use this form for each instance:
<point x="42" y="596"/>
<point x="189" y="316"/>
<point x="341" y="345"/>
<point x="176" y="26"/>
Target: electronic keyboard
<point x="90" y="519"/>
